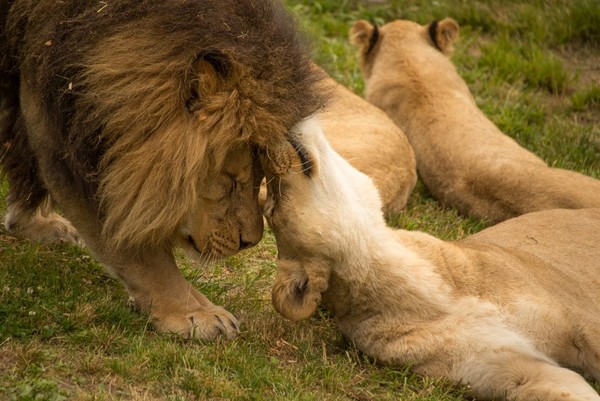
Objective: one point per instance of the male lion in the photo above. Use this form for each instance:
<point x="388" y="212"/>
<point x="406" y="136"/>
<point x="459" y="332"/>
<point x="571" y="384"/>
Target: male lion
<point x="370" y="141"/>
<point x="140" y="119"/>
<point x="508" y="311"/>
<point x="462" y="157"/>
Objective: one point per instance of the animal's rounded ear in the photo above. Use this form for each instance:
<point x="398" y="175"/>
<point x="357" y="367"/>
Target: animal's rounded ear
<point x="296" y="293"/>
<point x="210" y="72"/>
<point x="364" y="35"/>
<point x="278" y="158"/>
<point x="443" y="34"/>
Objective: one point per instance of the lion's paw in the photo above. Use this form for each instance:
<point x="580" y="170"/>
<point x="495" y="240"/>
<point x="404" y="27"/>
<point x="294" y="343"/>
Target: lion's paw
<point x="210" y="324"/>
<point x="52" y="228"/>
<point x="205" y="324"/>
<point x="58" y="229"/>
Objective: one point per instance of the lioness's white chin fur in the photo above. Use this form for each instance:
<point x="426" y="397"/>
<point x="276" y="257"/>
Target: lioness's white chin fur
<point x="499" y="311"/>
<point x="331" y="163"/>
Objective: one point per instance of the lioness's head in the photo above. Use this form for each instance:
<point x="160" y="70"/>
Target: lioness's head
<point x="402" y="37"/>
<point x="226" y="218"/>
<point x="312" y="215"/>
<point x="401" y="43"/>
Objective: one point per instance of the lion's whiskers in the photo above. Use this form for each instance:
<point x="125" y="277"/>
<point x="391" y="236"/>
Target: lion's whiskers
<point x="279" y="186"/>
<point x="271" y="180"/>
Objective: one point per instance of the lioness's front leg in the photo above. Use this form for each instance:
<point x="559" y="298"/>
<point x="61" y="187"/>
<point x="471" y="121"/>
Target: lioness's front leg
<point x="158" y="288"/>
<point x="510" y="374"/>
<point x="494" y="361"/>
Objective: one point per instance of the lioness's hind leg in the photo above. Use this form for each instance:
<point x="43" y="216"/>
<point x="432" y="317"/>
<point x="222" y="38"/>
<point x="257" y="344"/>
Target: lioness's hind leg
<point x="588" y="350"/>
<point x="552" y="383"/>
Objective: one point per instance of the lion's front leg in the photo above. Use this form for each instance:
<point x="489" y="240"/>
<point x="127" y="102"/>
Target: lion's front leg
<point x="158" y="288"/>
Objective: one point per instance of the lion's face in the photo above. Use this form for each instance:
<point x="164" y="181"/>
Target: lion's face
<point x="227" y="217"/>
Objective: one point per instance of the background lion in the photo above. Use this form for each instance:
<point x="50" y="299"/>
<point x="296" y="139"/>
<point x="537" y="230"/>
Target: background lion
<point x="463" y="158"/>
<point x="140" y="120"/>
<point x="508" y="311"/>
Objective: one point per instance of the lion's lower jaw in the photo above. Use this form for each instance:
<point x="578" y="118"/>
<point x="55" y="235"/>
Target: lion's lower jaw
<point x="206" y="252"/>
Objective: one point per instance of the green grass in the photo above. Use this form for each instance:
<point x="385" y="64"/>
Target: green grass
<point x="67" y="331"/>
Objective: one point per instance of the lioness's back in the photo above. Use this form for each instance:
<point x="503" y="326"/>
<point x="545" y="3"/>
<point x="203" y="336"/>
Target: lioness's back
<point x="563" y="240"/>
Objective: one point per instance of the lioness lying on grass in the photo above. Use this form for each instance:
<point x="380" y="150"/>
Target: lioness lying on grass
<point x="462" y="157"/>
<point x="508" y="311"/>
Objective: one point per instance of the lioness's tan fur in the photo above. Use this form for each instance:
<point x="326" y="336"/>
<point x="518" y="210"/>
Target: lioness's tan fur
<point x="370" y="141"/>
<point x="463" y="158"/>
<point x="508" y="311"/>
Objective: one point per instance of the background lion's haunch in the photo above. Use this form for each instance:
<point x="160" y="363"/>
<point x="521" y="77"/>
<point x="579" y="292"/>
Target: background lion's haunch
<point x="140" y="120"/>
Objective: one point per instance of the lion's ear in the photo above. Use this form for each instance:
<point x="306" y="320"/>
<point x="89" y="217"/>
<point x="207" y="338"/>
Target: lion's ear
<point x="443" y="34"/>
<point x="364" y="36"/>
<point x="210" y="74"/>
<point x="297" y="292"/>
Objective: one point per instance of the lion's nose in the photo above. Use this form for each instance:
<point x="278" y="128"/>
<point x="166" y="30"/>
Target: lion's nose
<point x="245" y="244"/>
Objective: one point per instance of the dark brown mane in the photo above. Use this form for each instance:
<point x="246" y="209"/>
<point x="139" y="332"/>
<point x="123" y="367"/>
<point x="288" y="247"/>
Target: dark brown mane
<point x="118" y="79"/>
